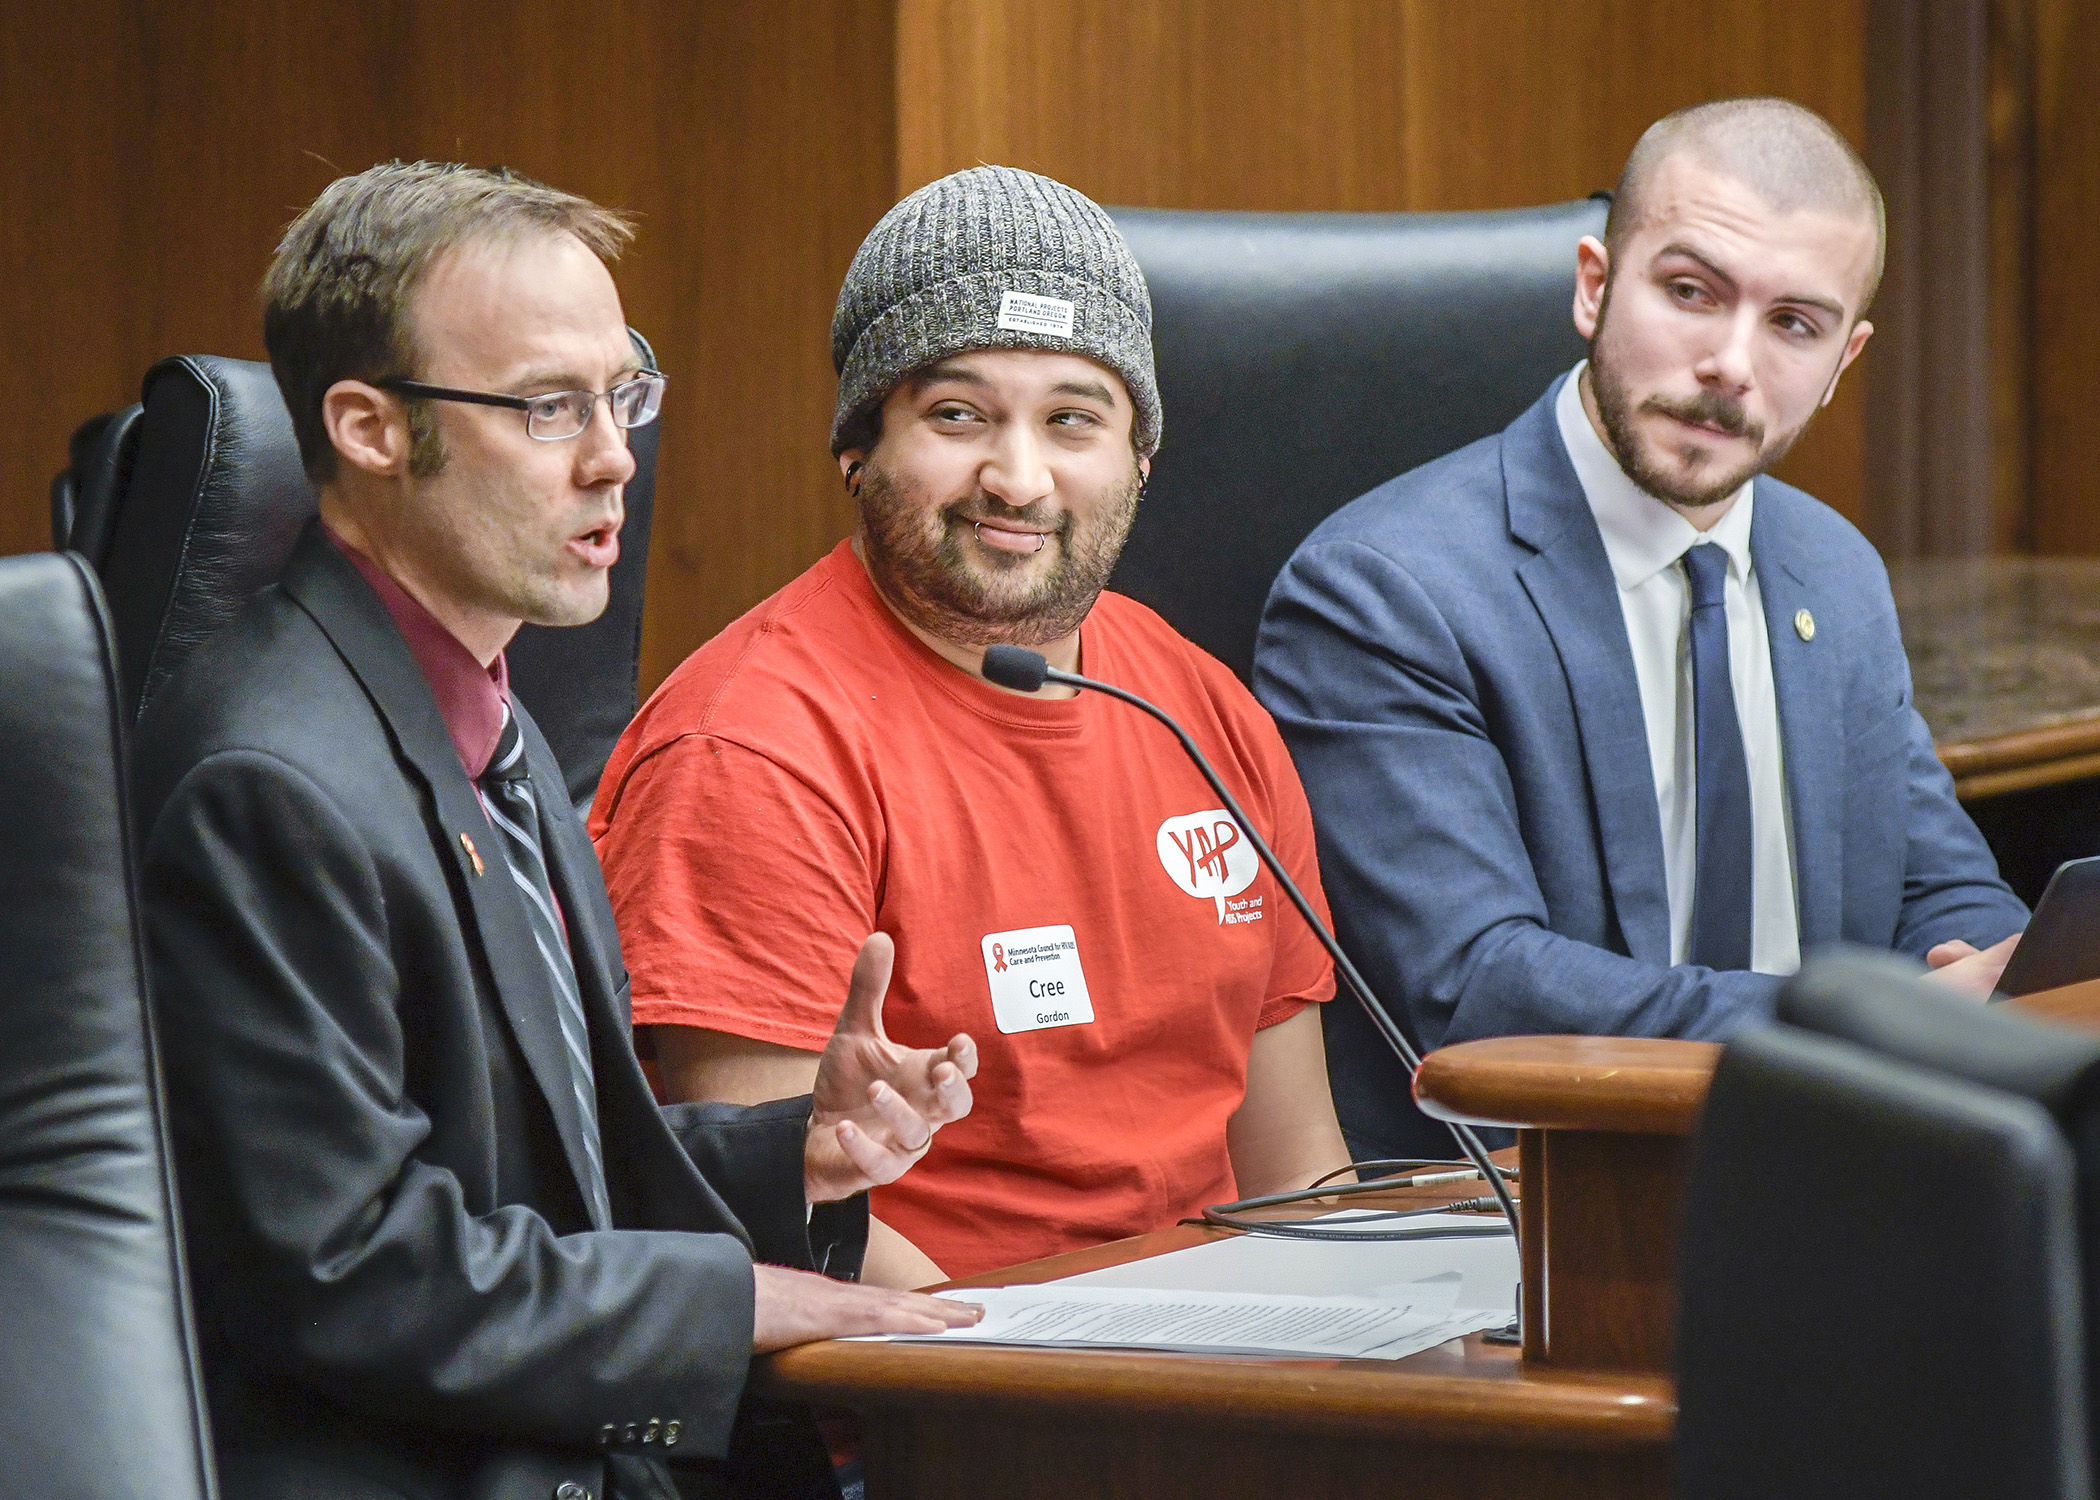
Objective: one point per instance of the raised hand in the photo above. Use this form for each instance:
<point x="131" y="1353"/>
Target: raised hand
<point x="878" y="1104"/>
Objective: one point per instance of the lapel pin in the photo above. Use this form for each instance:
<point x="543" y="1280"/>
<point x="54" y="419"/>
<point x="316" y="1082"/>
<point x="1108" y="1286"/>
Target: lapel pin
<point x="1804" y="626"/>
<point x="473" y="854"/>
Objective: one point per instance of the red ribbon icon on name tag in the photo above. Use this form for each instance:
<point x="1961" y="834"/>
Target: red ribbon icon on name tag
<point x="998" y="958"/>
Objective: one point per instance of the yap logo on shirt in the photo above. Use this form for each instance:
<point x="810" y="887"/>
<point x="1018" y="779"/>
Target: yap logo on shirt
<point x="1206" y="855"/>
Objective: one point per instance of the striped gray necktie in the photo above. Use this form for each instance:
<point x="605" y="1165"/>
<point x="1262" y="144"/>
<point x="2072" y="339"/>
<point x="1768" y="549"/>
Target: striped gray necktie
<point x="506" y="794"/>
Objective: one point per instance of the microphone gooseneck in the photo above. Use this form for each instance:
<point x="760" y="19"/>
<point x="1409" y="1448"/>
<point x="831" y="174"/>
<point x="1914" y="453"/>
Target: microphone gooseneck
<point x="1027" y="671"/>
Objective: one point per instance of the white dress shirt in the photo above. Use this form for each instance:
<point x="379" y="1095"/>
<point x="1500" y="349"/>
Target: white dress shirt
<point x="1645" y="541"/>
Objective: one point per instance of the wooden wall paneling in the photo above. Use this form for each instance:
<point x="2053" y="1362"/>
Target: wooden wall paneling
<point x="1514" y="103"/>
<point x="1177" y="103"/>
<point x="159" y="150"/>
<point x="1931" y="491"/>
<point x="2065" y="330"/>
<point x="64" y="240"/>
<point x="791" y="163"/>
<point x="246" y="112"/>
<point x="1361" y="104"/>
<point x="2009" y="195"/>
<point x="529" y="88"/>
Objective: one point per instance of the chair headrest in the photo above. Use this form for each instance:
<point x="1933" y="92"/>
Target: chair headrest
<point x="215" y="502"/>
<point x="84" y="496"/>
<point x="1306" y="357"/>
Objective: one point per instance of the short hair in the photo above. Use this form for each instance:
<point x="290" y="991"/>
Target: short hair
<point x="337" y="296"/>
<point x="1792" y="157"/>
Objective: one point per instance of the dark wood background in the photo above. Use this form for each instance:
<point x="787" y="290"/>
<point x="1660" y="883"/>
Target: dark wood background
<point x="155" y="150"/>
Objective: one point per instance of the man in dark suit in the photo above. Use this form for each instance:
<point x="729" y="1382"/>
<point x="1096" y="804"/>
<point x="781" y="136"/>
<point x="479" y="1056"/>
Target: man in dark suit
<point x="1603" y="726"/>
<point x="443" y="1241"/>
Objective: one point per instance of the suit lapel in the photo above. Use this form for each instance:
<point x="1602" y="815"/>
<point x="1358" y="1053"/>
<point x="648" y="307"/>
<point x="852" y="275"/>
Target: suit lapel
<point x="1570" y="583"/>
<point x="328" y="588"/>
<point x="1811" y="722"/>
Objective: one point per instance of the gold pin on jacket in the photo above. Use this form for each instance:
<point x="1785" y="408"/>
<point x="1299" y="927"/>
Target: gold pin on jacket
<point x="473" y="854"/>
<point x="1804" y="626"/>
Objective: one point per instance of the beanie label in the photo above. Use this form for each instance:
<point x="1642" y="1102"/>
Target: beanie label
<point x="1021" y="313"/>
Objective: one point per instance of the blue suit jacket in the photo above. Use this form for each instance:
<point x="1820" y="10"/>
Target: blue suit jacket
<point x="1448" y="661"/>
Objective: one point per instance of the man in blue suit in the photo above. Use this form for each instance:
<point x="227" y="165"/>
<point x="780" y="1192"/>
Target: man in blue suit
<point x="1602" y="726"/>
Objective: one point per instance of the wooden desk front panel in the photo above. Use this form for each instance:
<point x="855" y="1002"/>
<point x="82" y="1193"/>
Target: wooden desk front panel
<point x="1601" y="1209"/>
<point x="998" y="1452"/>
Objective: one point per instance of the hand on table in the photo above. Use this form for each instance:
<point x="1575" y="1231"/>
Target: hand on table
<point x="798" y="1307"/>
<point x="1968" y="971"/>
<point x="877" y="1104"/>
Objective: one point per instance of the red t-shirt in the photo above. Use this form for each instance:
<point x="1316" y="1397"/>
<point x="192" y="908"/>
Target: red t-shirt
<point x="815" y="773"/>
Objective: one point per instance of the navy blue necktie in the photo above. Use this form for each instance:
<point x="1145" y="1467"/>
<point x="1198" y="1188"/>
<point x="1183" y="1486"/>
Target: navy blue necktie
<point x="1721" y="899"/>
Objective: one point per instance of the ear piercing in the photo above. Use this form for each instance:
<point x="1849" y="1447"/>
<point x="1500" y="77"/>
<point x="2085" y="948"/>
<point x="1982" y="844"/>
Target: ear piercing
<point x="853" y="480"/>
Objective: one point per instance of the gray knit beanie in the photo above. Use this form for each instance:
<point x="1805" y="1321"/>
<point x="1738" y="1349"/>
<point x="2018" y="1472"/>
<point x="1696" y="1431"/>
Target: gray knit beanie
<point x="990" y="258"/>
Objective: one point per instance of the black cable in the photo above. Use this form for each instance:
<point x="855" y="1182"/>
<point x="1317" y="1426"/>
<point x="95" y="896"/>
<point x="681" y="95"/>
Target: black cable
<point x="1013" y="671"/>
<point x="1230" y="1215"/>
<point x="1393" y="1165"/>
<point x="1388" y="1164"/>
<point x="1287" y="1230"/>
<point x="1319" y="1189"/>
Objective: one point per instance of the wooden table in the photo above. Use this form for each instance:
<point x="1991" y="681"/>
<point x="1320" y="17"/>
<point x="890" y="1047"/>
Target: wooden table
<point x="2005" y="658"/>
<point x="1468" y="1418"/>
<point x="1585" y="1411"/>
<point x="1603" y="1126"/>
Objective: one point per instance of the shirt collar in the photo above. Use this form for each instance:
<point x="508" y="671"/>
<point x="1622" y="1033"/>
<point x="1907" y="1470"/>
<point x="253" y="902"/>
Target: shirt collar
<point x="470" y="697"/>
<point x="1642" y="535"/>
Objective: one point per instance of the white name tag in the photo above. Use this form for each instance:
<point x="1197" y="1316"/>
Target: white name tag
<point x="1036" y="979"/>
<point x="1021" y="313"/>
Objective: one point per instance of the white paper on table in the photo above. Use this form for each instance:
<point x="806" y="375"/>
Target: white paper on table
<point x="1401" y="1320"/>
<point x="1327" y="1268"/>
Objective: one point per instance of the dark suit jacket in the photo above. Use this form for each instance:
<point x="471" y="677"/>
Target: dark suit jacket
<point x="376" y="1135"/>
<point x="1448" y="661"/>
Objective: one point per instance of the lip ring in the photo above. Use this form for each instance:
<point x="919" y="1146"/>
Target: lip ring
<point x="977" y="530"/>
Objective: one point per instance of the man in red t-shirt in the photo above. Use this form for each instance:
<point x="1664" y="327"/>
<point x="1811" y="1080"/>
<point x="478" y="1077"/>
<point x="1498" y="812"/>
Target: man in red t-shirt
<point x="1058" y="879"/>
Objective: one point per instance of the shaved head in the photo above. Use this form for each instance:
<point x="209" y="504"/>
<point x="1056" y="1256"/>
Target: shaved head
<point x="1792" y="157"/>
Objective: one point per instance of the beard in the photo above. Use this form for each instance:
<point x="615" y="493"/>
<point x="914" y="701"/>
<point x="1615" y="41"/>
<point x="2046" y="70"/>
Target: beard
<point x="1639" y="458"/>
<point x="923" y="559"/>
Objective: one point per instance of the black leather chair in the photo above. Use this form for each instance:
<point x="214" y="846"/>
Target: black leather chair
<point x="1887" y="1251"/>
<point x="1305" y="357"/>
<point x="84" y="495"/>
<point x="100" y="1396"/>
<point x="211" y="499"/>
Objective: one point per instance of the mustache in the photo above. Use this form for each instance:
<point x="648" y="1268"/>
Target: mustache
<point x="1712" y="408"/>
<point x="982" y="507"/>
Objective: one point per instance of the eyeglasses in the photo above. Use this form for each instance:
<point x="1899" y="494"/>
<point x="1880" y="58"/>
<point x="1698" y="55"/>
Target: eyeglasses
<point x="557" y="414"/>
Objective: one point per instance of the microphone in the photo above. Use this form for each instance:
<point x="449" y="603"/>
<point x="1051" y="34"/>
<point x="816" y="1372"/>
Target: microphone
<point x="1026" y="671"/>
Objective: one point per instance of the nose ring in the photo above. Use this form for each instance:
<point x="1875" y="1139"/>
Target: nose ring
<point x="977" y="527"/>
